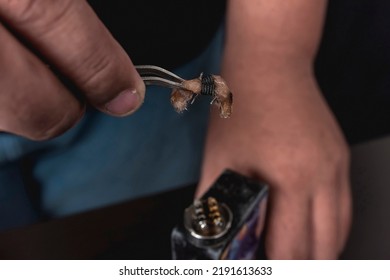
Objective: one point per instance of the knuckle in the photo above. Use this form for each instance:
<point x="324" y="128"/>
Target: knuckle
<point x="337" y="159"/>
<point x="96" y="68"/>
<point x="333" y="153"/>
<point x="19" y="9"/>
<point x="35" y="13"/>
<point x="312" y="161"/>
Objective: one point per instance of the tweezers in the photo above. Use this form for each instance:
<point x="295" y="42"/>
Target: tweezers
<point x="158" y="76"/>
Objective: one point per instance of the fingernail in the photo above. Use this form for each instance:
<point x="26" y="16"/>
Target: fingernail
<point x="125" y="103"/>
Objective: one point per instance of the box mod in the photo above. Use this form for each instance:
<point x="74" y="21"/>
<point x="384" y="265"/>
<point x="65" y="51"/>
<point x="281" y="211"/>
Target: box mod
<point x="225" y="223"/>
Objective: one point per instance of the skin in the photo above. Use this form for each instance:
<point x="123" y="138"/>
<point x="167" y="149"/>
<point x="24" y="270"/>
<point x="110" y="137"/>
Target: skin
<point x="281" y="131"/>
<point x="68" y="36"/>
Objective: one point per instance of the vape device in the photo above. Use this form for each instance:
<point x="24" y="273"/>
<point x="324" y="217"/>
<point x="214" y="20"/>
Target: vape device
<point x="225" y="223"/>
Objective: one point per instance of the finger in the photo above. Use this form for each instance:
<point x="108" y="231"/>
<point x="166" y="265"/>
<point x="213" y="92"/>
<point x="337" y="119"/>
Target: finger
<point x="289" y="226"/>
<point x="73" y="39"/>
<point x="345" y="213"/>
<point x="332" y="218"/>
<point x="33" y="103"/>
<point x="326" y="219"/>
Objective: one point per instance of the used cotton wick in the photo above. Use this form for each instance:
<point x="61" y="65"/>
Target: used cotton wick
<point x="211" y="85"/>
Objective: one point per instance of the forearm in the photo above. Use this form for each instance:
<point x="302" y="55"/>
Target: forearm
<point x="270" y="75"/>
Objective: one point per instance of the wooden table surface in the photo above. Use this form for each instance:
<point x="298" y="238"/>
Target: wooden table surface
<point x="138" y="229"/>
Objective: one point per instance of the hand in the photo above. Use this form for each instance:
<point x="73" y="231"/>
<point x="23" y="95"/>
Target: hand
<point x="281" y="130"/>
<point x="65" y="35"/>
<point x="300" y="153"/>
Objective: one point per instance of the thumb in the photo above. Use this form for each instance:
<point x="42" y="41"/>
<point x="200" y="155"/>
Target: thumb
<point x="70" y="37"/>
